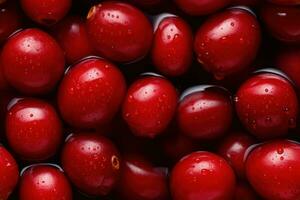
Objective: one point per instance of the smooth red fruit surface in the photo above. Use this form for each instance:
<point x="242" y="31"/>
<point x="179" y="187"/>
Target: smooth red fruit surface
<point x="119" y="31"/>
<point x="273" y="170"/>
<point x="149" y="106"/>
<point x="267" y="105"/>
<point x="285" y="2"/>
<point x="46" y="12"/>
<point x="4" y="85"/>
<point x="233" y="148"/>
<point x="288" y="60"/>
<point x="244" y="191"/>
<point x="44" y="182"/>
<point x="205" y="114"/>
<point x="33" y="129"/>
<point x="172" y="49"/>
<point x="9" y="173"/>
<point x="72" y="35"/>
<point x="228" y="42"/>
<point x="202" y="175"/>
<point x="91" y="162"/>
<point x="142" y="181"/>
<point x="96" y="88"/>
<point x="202" y="7"/>
<point x="282" y="22"/>
<point x="32" y="61"/>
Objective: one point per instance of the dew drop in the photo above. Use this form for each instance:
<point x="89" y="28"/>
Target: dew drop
<point x="280" y="151"/>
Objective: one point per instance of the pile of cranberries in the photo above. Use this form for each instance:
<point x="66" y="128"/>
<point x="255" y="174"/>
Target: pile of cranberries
<point x="149" y="99"/>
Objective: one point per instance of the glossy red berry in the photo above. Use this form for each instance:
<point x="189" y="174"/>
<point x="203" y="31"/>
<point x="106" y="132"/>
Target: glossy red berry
<point x="202" y="175"/>
<point x="267" y="105"/>
<point x="285" y="2"/>
<point x="172" y="49"/>
<point x="9" y="173"/>
<point x="149" y="106"/>
<point x="119" y="31"/>
<point x="32" y="61"/>
<point x="33" y="129"/>
<point x="196" y="7"/>
<point x="233" y="148"/>
<point x="272" y="170"/>
<point x="46" y="12"/>
<point x="282" y="22"/>
<point x="228" y="42"/>
<point x="204" y="112"/>
<point x="45" y="182"/>
<point x="244" y="191"/>
<point x="96" y="88"/>
<point x="72" y="35"/>
<point x="142" y="181"/>
<point x="91" y="162"/>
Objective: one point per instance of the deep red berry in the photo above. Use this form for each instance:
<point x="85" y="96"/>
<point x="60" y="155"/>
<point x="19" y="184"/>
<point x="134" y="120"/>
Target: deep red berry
<point x="149" y="106"/>
<point x="273" y="170"/>
<point x="46" y="12"/>
<point x="204" y="112"/>
<point x="4" y="85"/>
<point x="45" y="182"/>
<point x="202" y="175"/>
<point x="33" y="129"/>
<point x="244" y="191"/>
<point x="172" y="49"/>
<point x="285" y="2"/>
<point x="228" y="42"/>
<point x="119" y="31"/>
<point x="32" y="61"/>
<point x="9" y="173"/>
<point x="267" y="105"/>
<point x="72" y="35"/>
<point x="96" y="88"/>
<point x="91" y="162"/>
<point x="196" y="7"/>
<point x="142" y="181"/>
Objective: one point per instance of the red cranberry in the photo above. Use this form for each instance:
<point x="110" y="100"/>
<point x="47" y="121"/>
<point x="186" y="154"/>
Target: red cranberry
<point x="202" y="175"/>
<point x="233" y="148"/>
<point x="119" y="31"/>
<point x="273" y="170"/>
<point x="47" y="12"/>
<point x="9" y="173"/>
<point x="4" y="86"/>
<point x="72" y="35"/>
<point x="196" y="7"/>
<point x="45" y="182"/>
<point x="286" y="2"/>
<point x="282" y="22"/>
<point x="149" y="106"/>
<point x="141" y="181"/>
<point x="172" y="49"/>
<point x="267" y="105"/>
<point x="244" y="191"/>
<point x="95" y="88"/>
<point x="32" y="61"/>
<point x="33" y="129"/>
<point x="228" y="42"/>
<point x="204" y="112"/>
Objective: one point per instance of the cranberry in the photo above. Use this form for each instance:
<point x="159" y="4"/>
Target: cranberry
<point x="141" y="181"/>
<point x="286" y="2"/>
<point x="72" y="35"/>
<point x="228" y="42"/>
<point x="267" y="105"/>
<point x="92" y="163"/>
<point x="47" y="12"/>
<point x="9" y="173"/>
<point x="288" y="61"/>
<point x="45" y="182"/>
<point x="233" y="148"/>
<point x="119" y="31"/>
<point x="202" y="175"/>
<point x="273" y="170"/>
<point x="95" y="88"/>
<point x="204" y="112"/>
<point x="244" y="191"/>
<point x="196" y="7"/>
<point x="149" y="106"/>
<point x="32" y="61"/>
<point x="33" y="129"/>
<point x="172" y="49"/>
<point x="282" y="22"/>
<point x="4" y="86"/>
